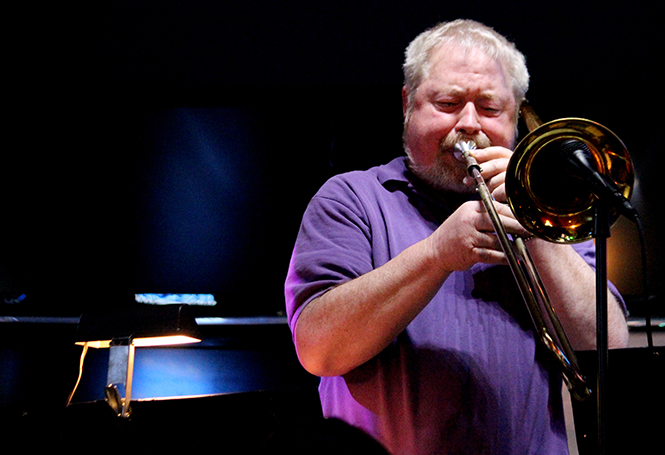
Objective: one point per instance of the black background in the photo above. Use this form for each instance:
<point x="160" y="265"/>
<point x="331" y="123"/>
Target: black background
<point x="97" y="91"/>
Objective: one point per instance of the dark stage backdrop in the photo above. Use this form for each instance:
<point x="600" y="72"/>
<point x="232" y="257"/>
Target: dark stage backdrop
<point x="171" y="147"/>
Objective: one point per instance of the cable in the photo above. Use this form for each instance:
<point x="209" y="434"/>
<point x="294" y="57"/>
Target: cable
<point x="78" y="380"/>
<point x="645" y="281"/>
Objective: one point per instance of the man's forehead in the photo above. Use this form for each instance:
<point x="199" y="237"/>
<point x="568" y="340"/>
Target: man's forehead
<point x="451" y="55"/>
<point x="457" y="66"/>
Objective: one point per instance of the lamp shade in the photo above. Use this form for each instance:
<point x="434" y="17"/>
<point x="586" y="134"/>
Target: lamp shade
<point x="143" y="325"/>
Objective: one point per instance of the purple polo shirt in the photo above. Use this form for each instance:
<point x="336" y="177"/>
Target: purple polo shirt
<point x="466" y="376"/>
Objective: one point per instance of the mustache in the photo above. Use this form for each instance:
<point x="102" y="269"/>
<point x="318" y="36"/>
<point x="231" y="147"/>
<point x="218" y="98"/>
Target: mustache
<point x="448" y="143"/>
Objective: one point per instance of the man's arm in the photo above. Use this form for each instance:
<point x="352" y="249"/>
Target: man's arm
<point x="570" y="284"/>
<point x="355" y="321"/>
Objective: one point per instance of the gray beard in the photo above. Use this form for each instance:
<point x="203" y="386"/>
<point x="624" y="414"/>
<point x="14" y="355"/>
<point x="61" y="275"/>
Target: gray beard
<point x="441" y="176"/>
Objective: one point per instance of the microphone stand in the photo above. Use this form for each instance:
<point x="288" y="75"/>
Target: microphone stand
<point x="601" y="234"/>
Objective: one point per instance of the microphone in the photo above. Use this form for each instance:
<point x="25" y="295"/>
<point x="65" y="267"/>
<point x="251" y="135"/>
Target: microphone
<point x="578" y="160"/>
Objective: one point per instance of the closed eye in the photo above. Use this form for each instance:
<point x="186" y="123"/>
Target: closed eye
<point x="446" y="105"/>
<point x="491" y="110"/>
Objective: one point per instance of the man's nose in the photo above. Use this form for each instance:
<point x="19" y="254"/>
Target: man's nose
<point x="468" y="121"/>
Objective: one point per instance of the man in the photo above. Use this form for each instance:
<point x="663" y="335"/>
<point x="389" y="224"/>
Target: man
<point x="397" y="293"/>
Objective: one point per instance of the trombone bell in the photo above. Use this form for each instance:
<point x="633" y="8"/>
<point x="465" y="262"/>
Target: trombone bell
<point x="546" y="199"/>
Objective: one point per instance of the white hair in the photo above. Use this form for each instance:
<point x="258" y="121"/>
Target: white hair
<point x="469" y="35"/>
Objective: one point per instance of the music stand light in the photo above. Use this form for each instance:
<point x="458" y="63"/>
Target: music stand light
<point x="123" y="330"/>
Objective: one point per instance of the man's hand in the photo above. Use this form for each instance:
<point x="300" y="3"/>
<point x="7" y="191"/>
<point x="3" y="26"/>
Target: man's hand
<point x="493" y="162"/>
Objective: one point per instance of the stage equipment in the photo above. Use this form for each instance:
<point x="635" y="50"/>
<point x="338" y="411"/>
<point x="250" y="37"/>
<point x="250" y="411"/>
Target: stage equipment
<point x="123" y="330"/>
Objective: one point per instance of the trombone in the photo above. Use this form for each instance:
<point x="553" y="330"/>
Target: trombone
<point x="555" y="207"/>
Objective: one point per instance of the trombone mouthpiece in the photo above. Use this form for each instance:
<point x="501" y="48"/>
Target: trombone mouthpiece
<point x="462" y="149"/>
<point x="462" y="153"/>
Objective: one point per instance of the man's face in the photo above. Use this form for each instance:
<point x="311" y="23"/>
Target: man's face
<point x="466" y="96"/>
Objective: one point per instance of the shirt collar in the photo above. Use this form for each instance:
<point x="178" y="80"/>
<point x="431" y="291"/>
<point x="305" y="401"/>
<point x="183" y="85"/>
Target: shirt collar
<point x="396" y="176"/>
<point x="394" y="171"/>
